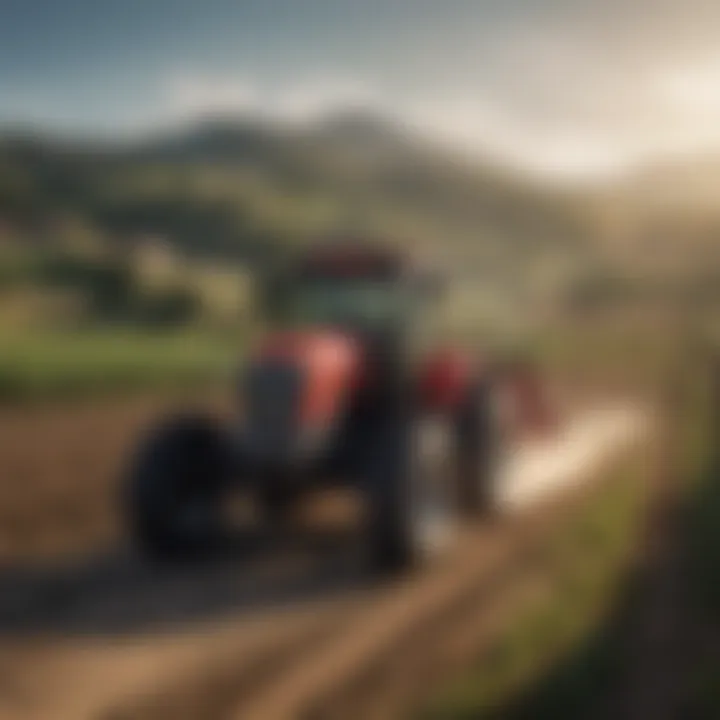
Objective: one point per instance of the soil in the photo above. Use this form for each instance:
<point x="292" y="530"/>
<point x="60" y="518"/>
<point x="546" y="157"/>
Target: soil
<point x="287" y="627"/>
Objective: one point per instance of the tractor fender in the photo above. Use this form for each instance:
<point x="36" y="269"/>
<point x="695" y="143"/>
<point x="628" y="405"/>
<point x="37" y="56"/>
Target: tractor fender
<point x="446" y="378"/>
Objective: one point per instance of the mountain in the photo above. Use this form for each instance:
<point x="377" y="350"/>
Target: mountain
<point x="214" y="141"/>
<point x="247" y="188"/>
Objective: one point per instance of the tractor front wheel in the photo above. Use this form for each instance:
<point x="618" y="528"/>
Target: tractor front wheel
<point x="175" y="488"/>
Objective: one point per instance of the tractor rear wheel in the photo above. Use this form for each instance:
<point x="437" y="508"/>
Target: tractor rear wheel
<point x="410" y="506"/>
<point x="277" y="504"/>
<point x="175" y="488"/>
<point x="479" y="446"/>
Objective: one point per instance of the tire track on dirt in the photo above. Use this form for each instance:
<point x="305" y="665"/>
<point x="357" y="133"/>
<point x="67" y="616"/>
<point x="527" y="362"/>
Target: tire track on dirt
<point x="213" y="684"/>
<point x="418" y="635"/>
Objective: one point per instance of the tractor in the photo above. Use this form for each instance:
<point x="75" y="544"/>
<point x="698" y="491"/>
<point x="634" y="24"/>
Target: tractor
<point x="349" y="386"/>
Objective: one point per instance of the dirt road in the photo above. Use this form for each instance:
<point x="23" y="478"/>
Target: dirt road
<point x="299" y="632"/>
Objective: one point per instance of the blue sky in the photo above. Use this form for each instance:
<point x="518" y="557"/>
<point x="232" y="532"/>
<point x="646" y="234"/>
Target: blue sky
<point x="559" y="85"/>
<point x="85" y="61"/>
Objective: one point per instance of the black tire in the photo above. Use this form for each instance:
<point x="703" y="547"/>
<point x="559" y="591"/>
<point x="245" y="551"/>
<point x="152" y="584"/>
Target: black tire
<point x="479" y="445"/>
<point x="175" y="488"/>
<point x="277" y="504"/>
<point x="410" y="506"/>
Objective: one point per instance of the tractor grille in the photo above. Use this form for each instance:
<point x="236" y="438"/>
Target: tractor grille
<point x="272" y="405"/>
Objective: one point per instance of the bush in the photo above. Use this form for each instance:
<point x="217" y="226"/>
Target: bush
<point x="172" y="307"/>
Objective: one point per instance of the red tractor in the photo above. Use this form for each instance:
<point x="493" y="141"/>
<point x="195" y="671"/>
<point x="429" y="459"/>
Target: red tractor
<point x="348" y="388"/>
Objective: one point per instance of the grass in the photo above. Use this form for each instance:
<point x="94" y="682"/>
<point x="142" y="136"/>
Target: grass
<point x="587" y="558"/>
<point x="47" y="365"/>
<point x="560" y="651"/>
<point x="702" y="462"/>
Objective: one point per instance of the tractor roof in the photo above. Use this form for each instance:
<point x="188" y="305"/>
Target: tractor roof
<point x="359" y="257"/>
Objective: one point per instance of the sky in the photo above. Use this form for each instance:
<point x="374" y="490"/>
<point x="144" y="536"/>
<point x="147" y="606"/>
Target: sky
<point x="568" y="87"/>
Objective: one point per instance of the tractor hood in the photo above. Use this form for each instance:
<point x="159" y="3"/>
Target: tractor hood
<point x="328" y="362"/>
<point x="296" y="389"/>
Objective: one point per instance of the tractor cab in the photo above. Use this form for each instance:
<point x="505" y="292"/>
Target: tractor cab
<point x="363" y="289"/>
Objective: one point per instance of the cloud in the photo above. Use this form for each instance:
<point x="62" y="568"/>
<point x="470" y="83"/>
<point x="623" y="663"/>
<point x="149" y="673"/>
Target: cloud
<point x="313" y="98"/>
<point x="187" y="96"/>
<point x="585" y="119"/>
